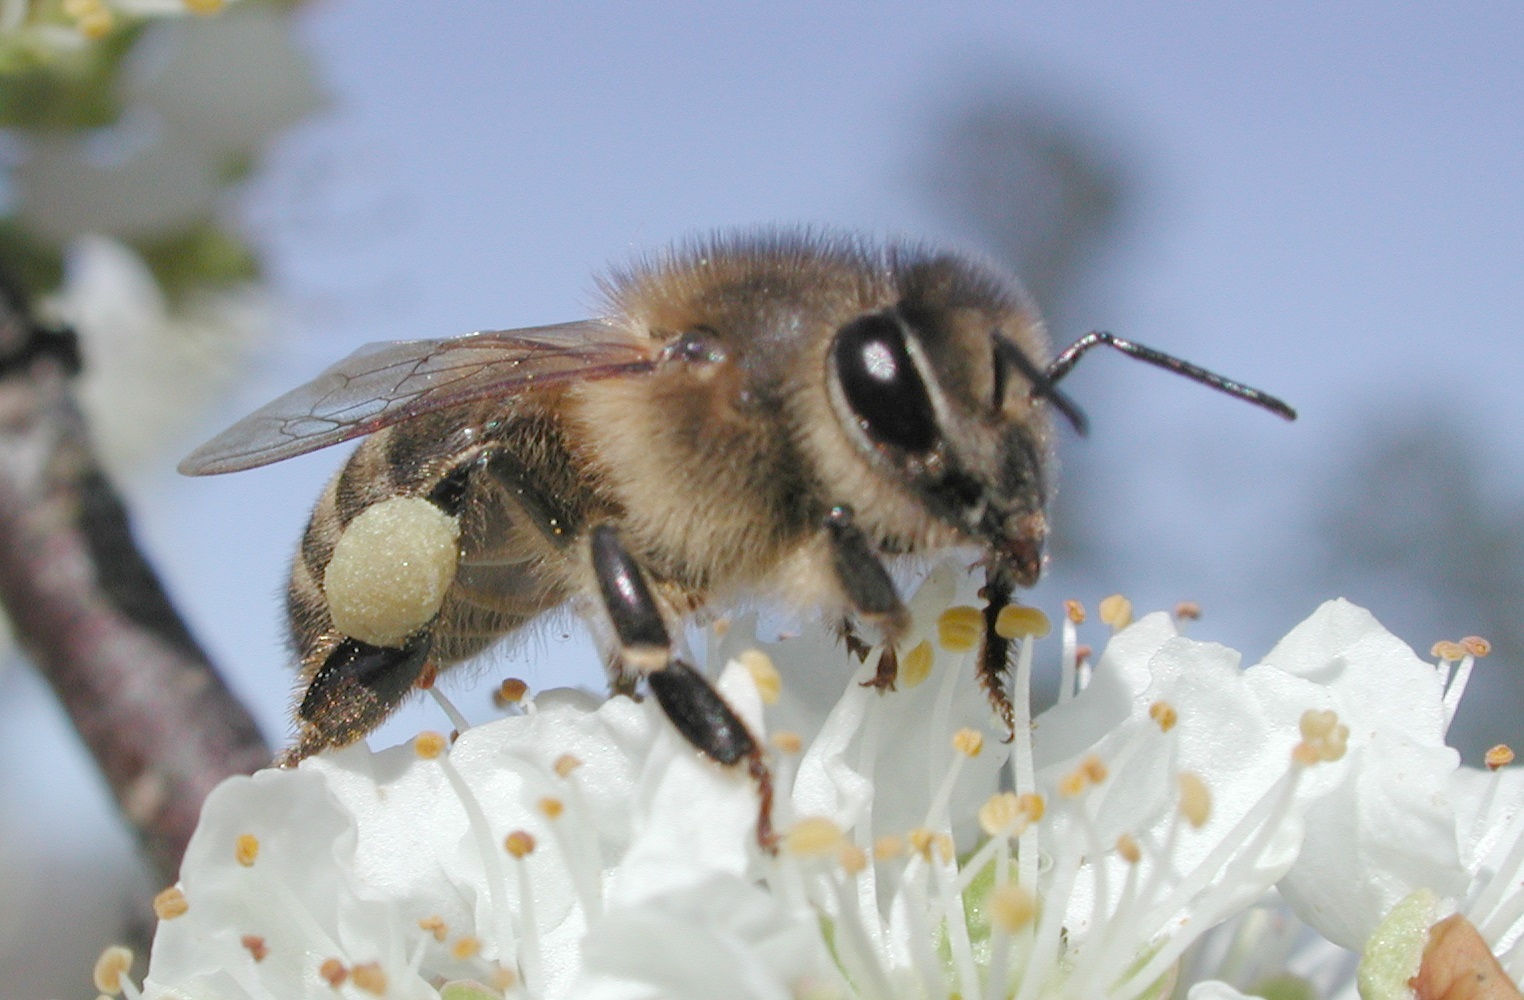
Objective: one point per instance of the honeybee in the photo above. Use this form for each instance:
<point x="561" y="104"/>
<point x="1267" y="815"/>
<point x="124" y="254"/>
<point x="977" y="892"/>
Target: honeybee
<point x="777" y="413"/>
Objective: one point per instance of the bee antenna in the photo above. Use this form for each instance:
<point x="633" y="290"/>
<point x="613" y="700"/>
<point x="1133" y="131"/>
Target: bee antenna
<point x="1070" y="356"/>
<point x="1042" y="385"/>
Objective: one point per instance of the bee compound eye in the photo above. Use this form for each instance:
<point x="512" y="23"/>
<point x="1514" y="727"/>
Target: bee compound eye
<point x="881" y="384"/>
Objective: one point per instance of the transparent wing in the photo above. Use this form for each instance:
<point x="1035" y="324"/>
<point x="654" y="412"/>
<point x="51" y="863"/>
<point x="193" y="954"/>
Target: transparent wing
<point x="381" y="384"/>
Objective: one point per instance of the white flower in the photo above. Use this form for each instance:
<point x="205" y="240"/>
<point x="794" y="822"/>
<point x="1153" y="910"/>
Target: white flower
<point x="585" y="851"/>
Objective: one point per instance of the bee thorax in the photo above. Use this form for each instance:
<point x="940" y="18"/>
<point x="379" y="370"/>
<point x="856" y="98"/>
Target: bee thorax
<point x="391" y="569"/>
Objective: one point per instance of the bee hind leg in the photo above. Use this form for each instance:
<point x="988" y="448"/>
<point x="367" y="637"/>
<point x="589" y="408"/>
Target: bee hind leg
<point x="686" y="697"/>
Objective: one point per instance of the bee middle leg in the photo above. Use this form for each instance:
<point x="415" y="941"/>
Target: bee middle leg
<point x="686" y="697"/>
<point x="869" y="590"/>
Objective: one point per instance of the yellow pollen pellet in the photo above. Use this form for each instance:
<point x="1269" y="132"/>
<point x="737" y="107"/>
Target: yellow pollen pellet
<point x="813" y="836"/>
<point x="915" y="666"/>
<point x="763" y="674"/>
<point x="369" y="977"/>
<point x="566" y="764"/>
<point x="429" y="745"/>
<point x="255" y="946"/>
<point x="1116" y="611"/>
<point x="1164" y="715"/>
<point x="435" y="925"/>
<point x="1094" y="768"/>
<point x="787" y="741"/>
<point x="170" y="904"/>
<point x="1128" y="849"/>
<point x="1074" y="611"/>
<point x="333" y="972"/>
<point x="552" y="807"/>
<point x="1476" y="646"/>
<point x="921" y="840"/>
<point x="853" y="859"/>
<point x="959" y="628"/>
<point x="1000" y="814"/>
<point x="1446" y="650"/>
<point x="1033" y="805"/>
<point x="1499" y="756"/>
<point x="1195" y="799"/>
<point x="203" y="6"/>
<point x="113" y="963"/>
<point x="1015" y="621"/>
<point x="968" y="742"/>
<point x="246" y="849"/>
<point x="510" y="692"/>
<point x="1012" y="907"/>
<point x="888" y="847"/>
<point x="466" y="947"/>
<point x="519" y="843"/>
<point x="1187" y="611"/>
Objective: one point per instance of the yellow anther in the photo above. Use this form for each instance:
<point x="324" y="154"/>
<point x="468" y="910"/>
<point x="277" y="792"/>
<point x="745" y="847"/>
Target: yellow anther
<point x="1073" y="784"/>
<point x="504" y="979"/>
<point x="246" y="849"/>
<point x="1195" y="799"/>
<point x="256" y="946"/>
<point x="566" y="764"/>
<point x="519" y="843"/>
<point x="203" y="6"/>
<point x="1094" y="768"/>
<point x="1033" y="805"/>
<point x="334" y="972"/>
<point x="947" y="850"/>
<point x="110" y="967"/>
<point x="763" y="674"/>
<point x="787" y="741"/>
<point x="853" y="859"/>
<point x="1128" y="849"/>
<point x="368" y="977"/>
<point x="1000" y="814"/>
<point x="510" y="692"/>
<point x="888" y="847"/>
<point x="1476" y="646"/>
<point x="960" y="628"/>
<point x="813" y="837"/>
<point x="1499" y="756"/>
<point x="1116" y="611"/>
<point x="1075" y="611"/>
<point x="435" y="925"/>
<point x="1316" y="724"/>
<point x="1164" y="715"/>
<point x="1015" y="621"/>
<point x="1012" y="907"/>
<point x="915" y="666"/>
<point x="551" y="807"/>
<point x="921" y="840"/>
<point x="466" y="947"/>
<point x="429" y="745"/>
<point x="968" y="742"/>
<point x="170" y="903"/>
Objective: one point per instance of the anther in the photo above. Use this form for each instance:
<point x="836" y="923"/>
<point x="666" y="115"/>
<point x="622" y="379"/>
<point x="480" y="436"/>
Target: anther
<point x="435" y="925"/>
<point x="1187" y="611"/>
<point x="246" y="849"/>
<point x="1447" y="650"/>
<point x="1499" y="756"/>
<point x="1164" y="715"/>
<point x="1128" y="849"/>
<point x="1195" y="799"/>
<point x="921" y="840"/>
<point x="1476" y="646"/>
<point x="369" y="977"/>
<point x="170" y="903"/>
<point x="1016" y="621"/>
<point x="333" y="972"/>
<point x="551" y="807"/>
<point x="853" y="859"/>
<point x="968" y="742"/>
<point x="1094" y="768"/>
<point x="813" y="836"/>
<point x="1000" y="814"/>
<point x="255" y="946"/>
<point x="429" y="745"/>
<point x="510" y="692"/>
<point x="888" y="847"/>
<point x="960" y="628"/>
<point x="1116" y="611"/>
<point x="1012" y="907"/>
<point x="1075" y="611"/>
<point x="566" y="764"/>
<point x="763" y="674"/>
<point x="787" y="741"/>
<point x="466" y="947"/>
<point x="519" y="843"/>
<point x="113" y="963"/>
<point x="915" y="666"/>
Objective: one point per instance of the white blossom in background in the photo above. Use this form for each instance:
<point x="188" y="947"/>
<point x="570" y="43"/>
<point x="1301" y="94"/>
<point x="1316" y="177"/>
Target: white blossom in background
<point x="584" y="850"/>
<point x="46" y="29"/>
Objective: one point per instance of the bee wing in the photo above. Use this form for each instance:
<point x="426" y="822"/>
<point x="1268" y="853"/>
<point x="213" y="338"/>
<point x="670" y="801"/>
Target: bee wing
<point x="381" y="384"/>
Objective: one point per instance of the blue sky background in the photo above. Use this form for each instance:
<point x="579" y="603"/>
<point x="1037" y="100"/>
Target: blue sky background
<point x="1326" y="201"/>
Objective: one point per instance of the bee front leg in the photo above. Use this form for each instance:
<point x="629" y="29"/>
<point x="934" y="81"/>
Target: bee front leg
<point x="869" y="590"/>
<point x="698" y="711"/>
